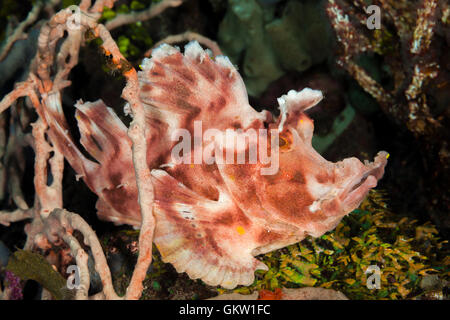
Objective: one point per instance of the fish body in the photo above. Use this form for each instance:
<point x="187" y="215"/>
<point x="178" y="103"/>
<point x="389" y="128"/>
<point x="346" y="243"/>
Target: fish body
<point x="216" y="204"/>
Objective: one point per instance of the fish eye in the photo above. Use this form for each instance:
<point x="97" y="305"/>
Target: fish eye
<point x="285" y="142"/>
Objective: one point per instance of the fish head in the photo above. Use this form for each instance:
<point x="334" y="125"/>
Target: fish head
<point x="307" y="191"/>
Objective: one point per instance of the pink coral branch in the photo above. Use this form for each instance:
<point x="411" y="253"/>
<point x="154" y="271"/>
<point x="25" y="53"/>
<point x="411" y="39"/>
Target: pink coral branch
<point x="49" y="197"/>
<point x="64" y="222"/>
<point x="81" y="258"/>
<point x="22" y="89"/>
<point x="99" y="5"/>
<point x="48" y="105"/>
<point x="137" y="134"/>
<point x="17" y="215"/>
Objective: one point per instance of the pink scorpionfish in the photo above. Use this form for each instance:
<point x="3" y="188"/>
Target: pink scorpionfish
<point x="212" y="218"/>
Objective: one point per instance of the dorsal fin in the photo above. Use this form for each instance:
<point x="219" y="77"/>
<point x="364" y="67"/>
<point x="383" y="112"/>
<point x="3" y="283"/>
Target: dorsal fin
<point x="181" y="88"/>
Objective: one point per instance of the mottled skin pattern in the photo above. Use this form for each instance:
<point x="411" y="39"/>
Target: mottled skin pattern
<point x="212" y="219"/>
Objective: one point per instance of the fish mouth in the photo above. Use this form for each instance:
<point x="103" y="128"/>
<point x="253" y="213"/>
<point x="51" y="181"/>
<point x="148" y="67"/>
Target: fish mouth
<point x="360" y="186"/>
<point x="361" y="181"/>
<point x="358" y="192"/>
